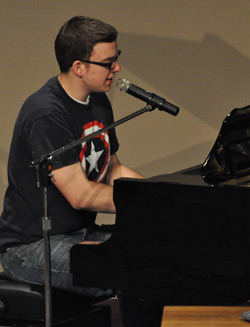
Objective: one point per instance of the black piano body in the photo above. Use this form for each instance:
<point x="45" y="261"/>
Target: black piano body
<point x="181" y="238"/>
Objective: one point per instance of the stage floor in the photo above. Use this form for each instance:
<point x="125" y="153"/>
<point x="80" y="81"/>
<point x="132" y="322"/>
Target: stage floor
<point x="204" y="316"/>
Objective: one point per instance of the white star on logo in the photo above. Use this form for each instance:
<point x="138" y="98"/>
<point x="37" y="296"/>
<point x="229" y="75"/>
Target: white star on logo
<point x="93" y="158"/>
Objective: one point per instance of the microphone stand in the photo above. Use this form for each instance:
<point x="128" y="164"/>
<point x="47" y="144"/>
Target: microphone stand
<point x="43" y="168"/>
<point x="44" y="173"/>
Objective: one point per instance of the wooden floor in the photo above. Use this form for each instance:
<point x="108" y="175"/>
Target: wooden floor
<point x="204" y="317"/>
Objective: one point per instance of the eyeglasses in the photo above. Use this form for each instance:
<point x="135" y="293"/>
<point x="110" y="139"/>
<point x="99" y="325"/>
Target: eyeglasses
<point x="110" y="65"/>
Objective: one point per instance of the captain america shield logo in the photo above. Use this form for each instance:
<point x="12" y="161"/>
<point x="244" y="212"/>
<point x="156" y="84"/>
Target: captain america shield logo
<point x="95" y="154"/>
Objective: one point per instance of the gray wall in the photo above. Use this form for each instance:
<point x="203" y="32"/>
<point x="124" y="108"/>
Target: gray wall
<point x="195" y="53"/>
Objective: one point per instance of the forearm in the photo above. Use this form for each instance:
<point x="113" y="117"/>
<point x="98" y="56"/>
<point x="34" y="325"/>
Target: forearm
<point x="82" y="193"/>
<point x="95" y="197"/>
<point x="116" y="170"/>
<point x="121" y="171"/>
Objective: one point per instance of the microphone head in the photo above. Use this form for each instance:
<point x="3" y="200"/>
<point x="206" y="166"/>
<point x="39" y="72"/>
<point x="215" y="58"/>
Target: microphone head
<point x="123" y="84"/>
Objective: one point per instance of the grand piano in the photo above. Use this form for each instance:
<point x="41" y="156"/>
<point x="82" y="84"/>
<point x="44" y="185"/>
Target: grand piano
<point x="181" y="238"/>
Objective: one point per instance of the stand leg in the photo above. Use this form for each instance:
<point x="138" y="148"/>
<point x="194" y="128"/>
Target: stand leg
<point x="46" y="223"/>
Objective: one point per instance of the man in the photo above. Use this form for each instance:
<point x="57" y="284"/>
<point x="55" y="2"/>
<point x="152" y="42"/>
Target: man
<point x="67" y="107"/>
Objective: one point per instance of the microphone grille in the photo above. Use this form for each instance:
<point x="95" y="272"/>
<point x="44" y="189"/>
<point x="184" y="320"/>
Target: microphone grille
<point x="123" y="84"/>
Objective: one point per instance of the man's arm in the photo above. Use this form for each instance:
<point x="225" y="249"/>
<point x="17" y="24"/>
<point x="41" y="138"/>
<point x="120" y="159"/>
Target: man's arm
<point x="81" y="193"/>
<point x="117" y="170"/>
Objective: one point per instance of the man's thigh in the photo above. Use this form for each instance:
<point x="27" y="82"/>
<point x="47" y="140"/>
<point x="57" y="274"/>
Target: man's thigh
<point x="26" y="262"/>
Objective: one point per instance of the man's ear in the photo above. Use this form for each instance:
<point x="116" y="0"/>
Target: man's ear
<point x="78" y="68"/>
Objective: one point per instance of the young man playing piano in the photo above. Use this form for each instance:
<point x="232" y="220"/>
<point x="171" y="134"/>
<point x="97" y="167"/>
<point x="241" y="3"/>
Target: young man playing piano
<point x="69" y="106"/>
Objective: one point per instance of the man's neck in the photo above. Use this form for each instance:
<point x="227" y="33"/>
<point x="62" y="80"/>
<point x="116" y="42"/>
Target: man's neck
<point x="72" y="87"/>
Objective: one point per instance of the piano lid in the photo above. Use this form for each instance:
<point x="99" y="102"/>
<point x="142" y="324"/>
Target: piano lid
<point x="229" y="157"/>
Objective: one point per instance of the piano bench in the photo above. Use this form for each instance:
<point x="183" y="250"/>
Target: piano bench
<point x="23" y="304"/>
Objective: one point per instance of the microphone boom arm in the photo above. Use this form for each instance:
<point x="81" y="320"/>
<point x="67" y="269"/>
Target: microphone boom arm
<point x="49" y="156"/>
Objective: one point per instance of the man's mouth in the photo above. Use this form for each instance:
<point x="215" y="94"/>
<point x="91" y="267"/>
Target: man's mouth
<point x="110" y="80"/>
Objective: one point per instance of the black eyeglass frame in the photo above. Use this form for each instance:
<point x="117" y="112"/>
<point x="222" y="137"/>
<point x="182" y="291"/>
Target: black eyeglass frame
<point x="109" y="65"/>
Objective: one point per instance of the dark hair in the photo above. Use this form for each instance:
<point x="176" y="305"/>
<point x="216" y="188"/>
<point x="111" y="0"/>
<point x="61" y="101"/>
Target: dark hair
<point x="78" y="36"/>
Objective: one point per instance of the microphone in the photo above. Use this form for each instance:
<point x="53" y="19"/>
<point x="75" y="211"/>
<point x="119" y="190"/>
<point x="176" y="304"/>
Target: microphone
<point x="152" y="99"/>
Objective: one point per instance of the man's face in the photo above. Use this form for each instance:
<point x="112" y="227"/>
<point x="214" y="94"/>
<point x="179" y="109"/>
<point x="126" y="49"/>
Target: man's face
<point x="98" y="78"/>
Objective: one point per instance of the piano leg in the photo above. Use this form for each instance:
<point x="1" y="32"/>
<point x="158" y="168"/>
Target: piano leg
<point x="137" y="312"/>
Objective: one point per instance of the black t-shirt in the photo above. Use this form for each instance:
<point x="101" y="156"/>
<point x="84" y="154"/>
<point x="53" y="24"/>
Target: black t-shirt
<point x="49" y="120"/>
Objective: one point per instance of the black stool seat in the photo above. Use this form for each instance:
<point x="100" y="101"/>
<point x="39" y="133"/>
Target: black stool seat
<point x="23" y="304"/>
